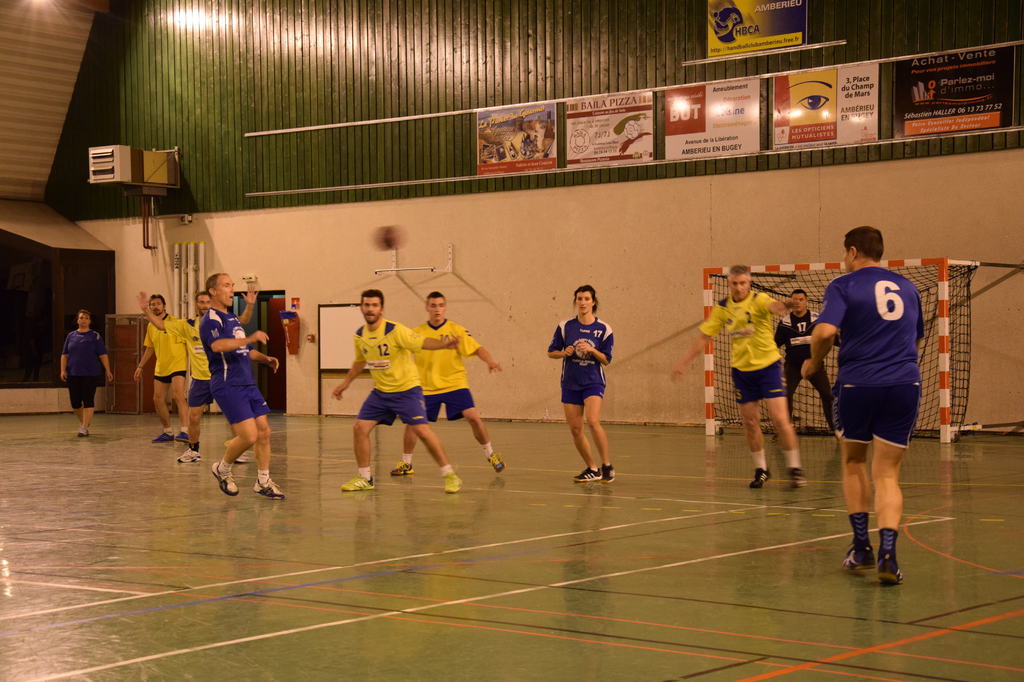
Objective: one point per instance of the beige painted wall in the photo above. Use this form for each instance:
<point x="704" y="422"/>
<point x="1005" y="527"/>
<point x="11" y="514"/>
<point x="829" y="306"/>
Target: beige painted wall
<point x="519" y="255"/>
<point x="43" y="400"/>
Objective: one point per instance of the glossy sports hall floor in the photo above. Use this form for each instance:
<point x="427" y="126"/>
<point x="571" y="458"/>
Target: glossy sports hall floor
<point x="117" y="563"/>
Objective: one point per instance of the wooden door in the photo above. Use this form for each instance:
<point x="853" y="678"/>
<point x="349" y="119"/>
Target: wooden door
<point x="124" y="336"/>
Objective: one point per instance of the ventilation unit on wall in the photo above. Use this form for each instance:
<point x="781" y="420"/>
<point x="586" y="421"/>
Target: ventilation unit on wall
<point x="129" y="166"/>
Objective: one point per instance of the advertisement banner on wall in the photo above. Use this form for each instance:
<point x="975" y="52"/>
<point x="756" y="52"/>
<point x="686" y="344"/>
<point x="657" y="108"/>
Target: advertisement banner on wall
<point x="825" y="108"/>
<point x="715" y="119"/>
<point x="610" y="129"/>
<point x="858" y="104"/>
<point x="738" y="26"/>
<point x="516" y="139"/>
<point x="953" y="92"/>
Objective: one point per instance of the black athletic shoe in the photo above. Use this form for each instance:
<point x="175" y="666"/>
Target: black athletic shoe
<point x="889" y="571"/>
<point x="859" y="559"/>
<point x="760" y="476"/>
<point x="607" y="473"/>
<point x="796" y="477"/>
<point x="587" y="475"/>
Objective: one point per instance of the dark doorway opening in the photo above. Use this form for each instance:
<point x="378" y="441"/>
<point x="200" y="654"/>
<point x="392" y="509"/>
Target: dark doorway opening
<point x="266" y="317"/>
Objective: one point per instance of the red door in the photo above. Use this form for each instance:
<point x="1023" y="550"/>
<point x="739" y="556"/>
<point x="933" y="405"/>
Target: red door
<point x="277" y="384"/>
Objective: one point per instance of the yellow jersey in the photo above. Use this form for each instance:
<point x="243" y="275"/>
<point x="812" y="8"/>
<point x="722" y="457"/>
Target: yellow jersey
<point x="171" y="355"/>
<point x="442" y="371"/>
<point x="388" y="354"/>
<point x="188" y="332"/>
<point x="749" y="324"/>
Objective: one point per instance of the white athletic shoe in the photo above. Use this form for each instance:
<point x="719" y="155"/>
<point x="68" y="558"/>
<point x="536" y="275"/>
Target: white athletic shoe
<point x="189" y="455"/>
<point x="244" y="457"/>
<point x="225" y="480"/>
<point x="270" y="490"/>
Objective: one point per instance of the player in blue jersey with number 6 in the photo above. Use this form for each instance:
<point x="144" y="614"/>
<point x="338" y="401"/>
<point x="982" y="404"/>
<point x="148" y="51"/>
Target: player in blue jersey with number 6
<point x="877" y="392"/>
<point x="584" y="345"/>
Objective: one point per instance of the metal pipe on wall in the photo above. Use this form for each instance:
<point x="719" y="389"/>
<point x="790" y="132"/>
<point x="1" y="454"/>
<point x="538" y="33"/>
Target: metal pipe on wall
<point x="176" y="279"/>
<point x="186" y="283"/>
<point x="201" y="271"/>
<point x="193" y="278"/>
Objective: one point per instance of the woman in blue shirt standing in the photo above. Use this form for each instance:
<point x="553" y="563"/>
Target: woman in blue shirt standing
<point x="83" y="357"/>
<point x="584" y="345"/>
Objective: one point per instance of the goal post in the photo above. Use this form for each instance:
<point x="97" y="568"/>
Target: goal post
<point x="944" y="285"/>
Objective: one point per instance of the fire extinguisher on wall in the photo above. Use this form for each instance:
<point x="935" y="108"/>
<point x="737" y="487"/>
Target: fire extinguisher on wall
<point x="290" y="323"/>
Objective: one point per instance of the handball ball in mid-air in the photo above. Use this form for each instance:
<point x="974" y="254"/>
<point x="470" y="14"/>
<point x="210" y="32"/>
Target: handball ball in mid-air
<point x="388" y="237"/>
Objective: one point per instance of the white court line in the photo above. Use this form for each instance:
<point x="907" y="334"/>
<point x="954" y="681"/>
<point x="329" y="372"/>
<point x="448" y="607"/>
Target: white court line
<point x="677" y="500"/>
<point x="72" y="587"/>
<point x="454" y="602"/>
<point x="357" y="565"/>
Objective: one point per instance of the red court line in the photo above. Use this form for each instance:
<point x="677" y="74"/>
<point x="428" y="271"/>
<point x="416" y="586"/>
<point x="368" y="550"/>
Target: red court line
<point x="906" y="532"/>
<point x="569" y="638"/>
<point x="742" y="635"/>
<point x="887" y="645"/>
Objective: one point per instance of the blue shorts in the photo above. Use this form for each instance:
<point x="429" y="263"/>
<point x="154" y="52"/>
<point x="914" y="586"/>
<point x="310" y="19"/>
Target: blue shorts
<point x="887" y="413"/>
<point x="454" y="401"/>
<point x="239" y="403"/>
<point x="758" y="384"/>
<point x="200" y="393"/>
<point x="383" y="407"/>
<point x="576" y="396"/>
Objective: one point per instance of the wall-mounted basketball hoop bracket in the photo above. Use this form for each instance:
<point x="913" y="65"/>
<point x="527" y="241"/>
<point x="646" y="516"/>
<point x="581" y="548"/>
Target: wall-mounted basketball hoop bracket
<point x="450" y="267"/>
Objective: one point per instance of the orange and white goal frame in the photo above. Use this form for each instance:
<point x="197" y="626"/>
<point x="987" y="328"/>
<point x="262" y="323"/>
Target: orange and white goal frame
<point x="946" y="430"/>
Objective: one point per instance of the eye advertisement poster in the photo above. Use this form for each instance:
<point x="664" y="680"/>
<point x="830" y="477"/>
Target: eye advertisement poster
<point x="825" y="108"/>
<point x="953" y="92"/>
<point x="516" y="140"/>
<point x="739" y="26"/>
<point x="610" y="129"/>
<point x="714" y="119"/>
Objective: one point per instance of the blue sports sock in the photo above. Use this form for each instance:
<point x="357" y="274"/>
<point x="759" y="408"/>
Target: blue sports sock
<point x="887" y="541"/>
<point x="859" y="523"/>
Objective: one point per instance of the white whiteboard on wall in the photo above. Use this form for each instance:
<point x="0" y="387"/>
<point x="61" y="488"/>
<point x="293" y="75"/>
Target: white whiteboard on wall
<point x="338" y="324"/>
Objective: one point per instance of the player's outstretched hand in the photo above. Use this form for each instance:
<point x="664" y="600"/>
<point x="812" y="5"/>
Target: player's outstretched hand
<point x="678" y="372"/>
<point x="336" y="393"/>
<point x="137" y="374"/>
<point x="143" y="300"/>
<point x="258" y="336"/>
<point x="273" y="363"/>
<point x="493" y="367"/>
<point x="251" y="294"/>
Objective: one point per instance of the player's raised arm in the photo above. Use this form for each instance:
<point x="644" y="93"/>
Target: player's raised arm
<point x="251" y="296"/>
<point x="143" y="300"/>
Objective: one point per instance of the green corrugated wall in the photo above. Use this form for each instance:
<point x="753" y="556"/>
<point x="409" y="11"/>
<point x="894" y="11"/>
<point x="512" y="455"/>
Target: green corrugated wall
<point x="201" y="73"/>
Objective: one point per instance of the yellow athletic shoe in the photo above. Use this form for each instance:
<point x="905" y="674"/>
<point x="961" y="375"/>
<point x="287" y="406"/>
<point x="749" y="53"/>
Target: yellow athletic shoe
<point x="357" y="483"/>
<point x="452" y="483"/>
<point x="496" y="462"/>
<point x="403" y="468"/>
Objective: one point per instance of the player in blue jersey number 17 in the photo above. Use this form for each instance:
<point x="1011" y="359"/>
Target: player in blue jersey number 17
<point x="584" y="345"/>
